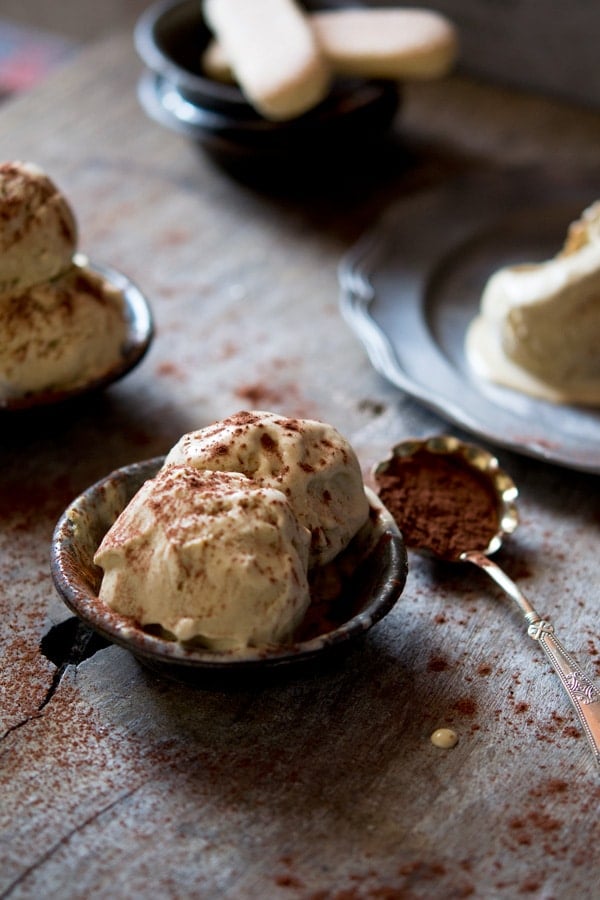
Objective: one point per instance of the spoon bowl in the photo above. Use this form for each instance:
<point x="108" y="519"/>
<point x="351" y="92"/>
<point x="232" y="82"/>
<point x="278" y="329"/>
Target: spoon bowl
<point x="432" y="487"/>
<point x="415" y="467"/>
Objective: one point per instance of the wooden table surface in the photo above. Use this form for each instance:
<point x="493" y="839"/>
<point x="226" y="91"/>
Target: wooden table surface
<point x="116" y="783"/>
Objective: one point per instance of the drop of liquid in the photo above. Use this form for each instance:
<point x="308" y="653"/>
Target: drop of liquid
<point x="445" y="738"/>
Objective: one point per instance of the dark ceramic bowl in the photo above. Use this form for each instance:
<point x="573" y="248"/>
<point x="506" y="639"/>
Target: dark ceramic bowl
<point x="170" y="38"/>
<point x="139" y="335"/>
<point x="372" y="573"/>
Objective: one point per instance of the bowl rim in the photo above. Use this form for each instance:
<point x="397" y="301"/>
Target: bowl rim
<point x="148" y="47"/>
<point x="120" y="630"/>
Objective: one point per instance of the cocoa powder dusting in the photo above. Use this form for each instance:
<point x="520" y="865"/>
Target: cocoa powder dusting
<point x="440" y="503"/>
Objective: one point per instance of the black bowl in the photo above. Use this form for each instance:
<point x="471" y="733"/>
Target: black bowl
<point x="170" y="38"/>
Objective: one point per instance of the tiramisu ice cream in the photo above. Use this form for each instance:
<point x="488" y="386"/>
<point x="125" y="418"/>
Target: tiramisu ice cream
<point x="314" y="466"/>
<point x="539" y="325"/>
<point x="38" y="231"/>
<point x="210" y="553"/>
<point x="60" y="324"/>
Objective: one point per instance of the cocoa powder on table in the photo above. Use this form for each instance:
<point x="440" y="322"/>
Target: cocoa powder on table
<point x="440" y="502"/>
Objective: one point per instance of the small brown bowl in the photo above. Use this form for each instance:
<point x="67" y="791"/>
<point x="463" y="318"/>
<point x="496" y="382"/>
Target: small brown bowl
<point x="372" y="573"/>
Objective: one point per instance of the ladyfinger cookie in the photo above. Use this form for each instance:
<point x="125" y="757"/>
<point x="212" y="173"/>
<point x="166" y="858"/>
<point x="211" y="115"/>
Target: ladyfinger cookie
<point x="273" y="53"/>
<point x="371" y="43"/>
<point x="387" y="43"/>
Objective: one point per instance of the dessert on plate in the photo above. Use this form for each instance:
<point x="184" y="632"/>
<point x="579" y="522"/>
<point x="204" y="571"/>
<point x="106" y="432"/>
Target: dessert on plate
<point x="538" y="329"/>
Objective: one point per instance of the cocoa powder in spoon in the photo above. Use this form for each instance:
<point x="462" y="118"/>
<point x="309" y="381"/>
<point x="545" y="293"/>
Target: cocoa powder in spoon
<point x="440" y="503"/>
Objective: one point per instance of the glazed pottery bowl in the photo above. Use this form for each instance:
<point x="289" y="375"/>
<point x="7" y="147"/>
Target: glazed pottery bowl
<point x="370" y="575"/>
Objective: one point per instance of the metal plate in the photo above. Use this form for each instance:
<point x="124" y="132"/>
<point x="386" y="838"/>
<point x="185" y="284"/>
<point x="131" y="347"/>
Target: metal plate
<point x="410" y="287"/>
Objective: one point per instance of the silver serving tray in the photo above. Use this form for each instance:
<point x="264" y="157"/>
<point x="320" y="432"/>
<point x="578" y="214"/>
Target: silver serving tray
<point x="412" y="284"/>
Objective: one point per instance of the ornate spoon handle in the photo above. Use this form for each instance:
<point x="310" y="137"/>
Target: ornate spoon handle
<point x="582" y="693"/>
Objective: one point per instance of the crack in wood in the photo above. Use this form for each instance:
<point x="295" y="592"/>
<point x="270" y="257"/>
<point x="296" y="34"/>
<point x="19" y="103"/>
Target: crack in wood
<point x="68" y="644"/>
<point x="66" y="838"/>
<point x="18" y="725"/>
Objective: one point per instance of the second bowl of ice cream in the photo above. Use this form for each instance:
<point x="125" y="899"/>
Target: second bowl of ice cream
<point x="67" y="326"/>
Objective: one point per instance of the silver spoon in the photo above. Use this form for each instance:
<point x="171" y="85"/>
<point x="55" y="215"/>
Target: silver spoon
<point x="477" y="464"/>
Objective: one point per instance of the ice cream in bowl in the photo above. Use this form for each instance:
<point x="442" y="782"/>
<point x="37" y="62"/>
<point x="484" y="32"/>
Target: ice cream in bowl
<point x="67" y="325"/>
<point x="253" y="544"/>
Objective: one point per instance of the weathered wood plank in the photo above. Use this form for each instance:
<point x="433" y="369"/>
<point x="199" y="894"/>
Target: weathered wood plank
<point x="123" y="784"/>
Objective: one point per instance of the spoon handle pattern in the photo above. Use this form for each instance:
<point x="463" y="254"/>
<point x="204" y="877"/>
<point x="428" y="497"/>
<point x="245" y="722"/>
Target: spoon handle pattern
<point x="582" y="693"/>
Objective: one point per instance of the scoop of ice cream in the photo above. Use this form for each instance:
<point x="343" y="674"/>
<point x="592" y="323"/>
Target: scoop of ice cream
<point x="539" y="325"/>
<point x="38" y="231"/>
<point x="59" y="334"/>
<point x="208" y="555"/>
<point x="314" y="466"/>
